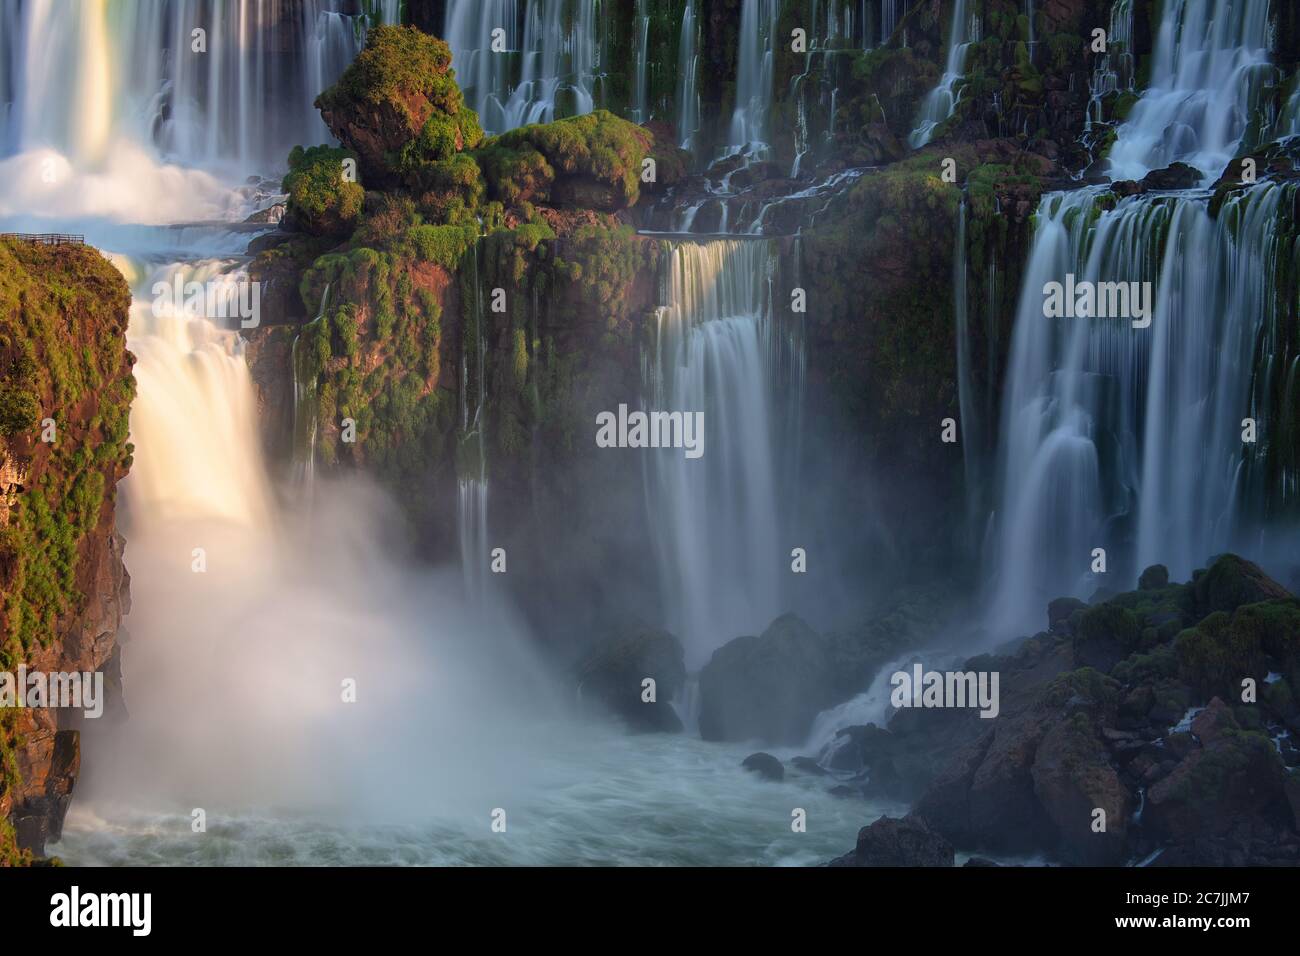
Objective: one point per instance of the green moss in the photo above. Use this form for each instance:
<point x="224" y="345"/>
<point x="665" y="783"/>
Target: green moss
<point x="399" y="65"/>
<point x="19" y="410"/>
<point x="321" y="199"/>
<point x="598" y="147"/>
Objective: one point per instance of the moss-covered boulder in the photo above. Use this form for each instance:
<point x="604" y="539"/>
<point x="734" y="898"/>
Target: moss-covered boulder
<point x="324" y="199"/>
<point x="399" y="109"/>
<point x="593" y="161"/>
<point x="1231" y="581"/>
<point x="1233" y="775"/>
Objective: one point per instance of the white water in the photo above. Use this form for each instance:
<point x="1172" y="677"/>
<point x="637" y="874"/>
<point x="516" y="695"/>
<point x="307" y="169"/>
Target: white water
<point x="235" y="673"/>
<point x="717" y="518"/>
<point x="688" y="61"/>
<point x="940" y="102"/>
<point x="754" y="75"/>
<point x="1130" y="439"/>
<point x="667" y="800"/>
<point x="640" y="111"/>
<point x="132" y="70"/>
<point x="1210" y="58"/>
<point x="549" y="66"/>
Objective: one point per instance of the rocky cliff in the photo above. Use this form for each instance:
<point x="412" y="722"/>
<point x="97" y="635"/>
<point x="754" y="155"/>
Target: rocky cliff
<point x="65" y="392"/>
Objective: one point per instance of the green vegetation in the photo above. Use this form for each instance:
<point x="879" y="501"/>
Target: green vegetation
<point x="63" y="312"/>
<point x="322" y="201"/>
<point x="593" y="160"/>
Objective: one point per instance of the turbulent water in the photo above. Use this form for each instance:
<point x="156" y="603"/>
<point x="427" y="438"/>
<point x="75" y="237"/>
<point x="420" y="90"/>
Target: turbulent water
<point x="601" y="799"/>
<point x="251" y="618"/>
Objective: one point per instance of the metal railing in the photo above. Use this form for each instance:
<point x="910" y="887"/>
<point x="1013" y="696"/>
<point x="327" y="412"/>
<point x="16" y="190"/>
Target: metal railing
<point x="46" y="238"/>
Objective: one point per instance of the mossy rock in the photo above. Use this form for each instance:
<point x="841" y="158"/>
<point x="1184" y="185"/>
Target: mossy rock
<point x="398" y="107"/>
<point x="1231" y="581"/>
<point x="322" y="200"/>
<point x="593" y="161"/>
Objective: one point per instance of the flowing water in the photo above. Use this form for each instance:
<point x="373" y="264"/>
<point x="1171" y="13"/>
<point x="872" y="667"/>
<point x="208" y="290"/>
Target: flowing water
<point x="688" y="96"/>
<point x="253" y="620"/>
<point x="754" y="76"/>
<point x="940" y="102"/>
<point x="1130" y="439"/>
<point x="1209" y="62"/>
<point x="718" y="517"/>
<point x="524" y="61"/>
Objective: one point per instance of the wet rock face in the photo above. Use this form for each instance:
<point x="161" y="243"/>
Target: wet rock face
<point x="1101" y="718"/>
<point x="909" y="841"/>
<point x="768" y="687"/>
<point x="765" y="765"/>
<point x="614" y="676"/>
<point x="73" y="316"/>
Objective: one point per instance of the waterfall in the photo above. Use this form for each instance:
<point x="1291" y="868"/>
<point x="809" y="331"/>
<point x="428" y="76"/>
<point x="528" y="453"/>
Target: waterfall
<point x="1209" y="63"/>
<point x="971" y="441"/>
<point x="201" y="83"/>
<point x="717" y="519"/>
<point x="1113" y="70"/>
<point x="754" y="75"/>
<point x="306" y="410"/>
<point x="940" y="102"/>
<point x="194" y="419"/>
<point x="536" y="74"/>
<point x="688" y="67"/>
<point x="1123" y="438"/>
<point x="640" y="111"/>
<point x="1129" y="438"/>
<point x="472" y="485"/>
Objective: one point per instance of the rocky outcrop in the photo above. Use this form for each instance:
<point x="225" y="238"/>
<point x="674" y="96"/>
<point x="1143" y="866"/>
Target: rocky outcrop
<point x="68" y="389"/>
<point x="765" y="765"/>
<point x="636" y="677"/>
<point x="768" y="687"/>
<point x="1098" y="722"/>
<point x="909" y="841"/>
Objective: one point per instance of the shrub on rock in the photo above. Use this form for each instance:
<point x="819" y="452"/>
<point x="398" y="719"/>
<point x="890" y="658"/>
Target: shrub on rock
<point x="322" y="201"/>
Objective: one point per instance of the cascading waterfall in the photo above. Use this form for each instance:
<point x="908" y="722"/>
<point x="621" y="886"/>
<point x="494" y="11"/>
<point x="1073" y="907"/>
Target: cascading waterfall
<point x="242" y="89"/>
<point x="472" y="485"/>
<point x="1126" y="438"/>
<point x="306" y="409"/>
<point x="940" y="102"/>
<point x="1123" y="438"/>
<point x="688" y="96"/>
<point x="1114" y="69"/>
<point x="194" y="418"/>
<point x="754" y="76"/>
<point x="717" y="518"/>
<point x="1209" y="65"/>
<point x="640" y="110"/>
<point x="831" y="27"/>
<point x="542" y="68"/>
